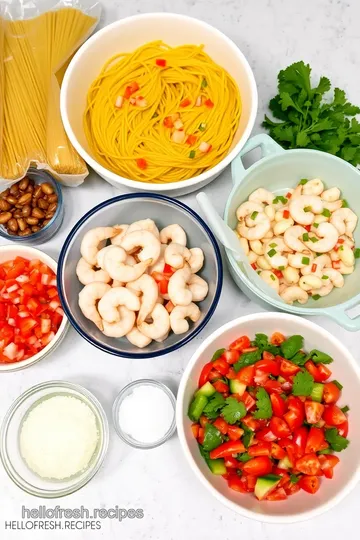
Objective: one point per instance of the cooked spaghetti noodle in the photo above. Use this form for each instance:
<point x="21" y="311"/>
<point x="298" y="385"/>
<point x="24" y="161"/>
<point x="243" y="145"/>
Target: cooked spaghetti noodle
<point x="31" y="53"/>
<point x="162" y="114"/>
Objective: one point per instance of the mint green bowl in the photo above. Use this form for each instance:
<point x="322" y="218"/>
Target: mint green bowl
<point x="279" y="170"/>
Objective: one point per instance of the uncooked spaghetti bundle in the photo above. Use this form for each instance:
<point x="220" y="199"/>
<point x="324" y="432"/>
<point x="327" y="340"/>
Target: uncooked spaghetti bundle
<point x="162" y="114"/>
<point x="33" y="53"/>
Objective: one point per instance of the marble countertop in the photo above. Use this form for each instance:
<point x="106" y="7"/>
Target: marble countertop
<point x="272" y="34"/>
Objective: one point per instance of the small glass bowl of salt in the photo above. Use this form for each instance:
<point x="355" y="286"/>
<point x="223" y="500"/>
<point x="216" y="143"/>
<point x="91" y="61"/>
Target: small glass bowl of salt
<point x="144" y="414"/>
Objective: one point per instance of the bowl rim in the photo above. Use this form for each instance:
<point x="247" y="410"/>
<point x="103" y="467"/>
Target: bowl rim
<point x="189" y="335"/>
<point x="101" y="417"/>
<point x="117" y="179"/>
<point x="275" y="316"/>
<point x="38" y="254"/>
<point x="299" y="310"/>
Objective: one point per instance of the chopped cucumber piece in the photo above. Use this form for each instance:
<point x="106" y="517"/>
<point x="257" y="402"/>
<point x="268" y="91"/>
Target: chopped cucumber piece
<point x="206" y="390"/>
<point x="237" y="387"/>
<point x="265" y="485"/>
<point x="196" y="407"/>
<point x="217" y="466"/>
<point x="285" y="463"/>
<point x="317" y="392"/>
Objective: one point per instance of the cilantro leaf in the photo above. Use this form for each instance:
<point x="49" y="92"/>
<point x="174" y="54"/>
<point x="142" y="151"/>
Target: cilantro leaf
<point x="212" y="408"/>
<point x="299" y="359"/>
<point x="212" y="437"/>
<point x="243" y="457"/>
<point x="291" y="346"/>
<point x="262" y="342"/>
<point x="217" y="354"/>
<point x="233" y="410"/>
<point x="319" y="357"/>
<point x="294" y="479"/>
<point x="336" y="441"/>
<point x="303" y="384"/>
<point x="247" y="359"/>
<point x="263" y="403"/>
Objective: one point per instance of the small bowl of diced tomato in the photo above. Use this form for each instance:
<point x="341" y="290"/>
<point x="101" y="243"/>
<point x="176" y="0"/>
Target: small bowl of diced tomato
<point x="32" y="322"/>
<point x="264" y="416"/>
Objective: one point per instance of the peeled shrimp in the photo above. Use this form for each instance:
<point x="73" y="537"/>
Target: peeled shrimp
<point x="346" y="255"/>
<point x="100" y="257"/>
<point x="173" y="233"/>
<point x="88" y="298"/>
<point x="310" y="282"/>
<point x="147" y="241"/>
<point x="344" y="220"/>
<point x="313" y="187"/>
<point x="278" y="246"/>
<point x="247" y="208"/>
<point x="179" y="314"/>
<point x="178" y="290"/>
<point x="345" y="270"/>
<point x="115" y="297"/>
<point x="269" y="210"/>
<point x="87" y="274"/>
<point x="196" y="260"/>
<point x="137" y="338"/>
<point x="123" y="326"/>
<point x="145" y="286"/>
<point x="263" y="263"/>
<point x="176" y="255"/>
<point x="328" y="238"/>
<point x="260" y="225"/>
<point x="300" y="260"/>
<point x="198" y="287"/>
<point x="335" y="277"/>
<point x="160" y="263"/>
<point x="144" y="225"/>
<point x="90" y="243"/>
<point x="262" y="195"/>
<point x="294" y="294"/>
<point x="115" y="262"/>
<point x="311" y="203"/>
<point x="270" y="278"/>
<point x="257" y="246"/>
<point x="244" y="244"/>
<point x="291" y="275"/>
<point x="331" y="195"/>
<point x="281" y="226"/>
<point x="160" y="324"/>
<point x="291" y="238"/>
<point x="332" y="206"/>
<point x="116" y="240"/>
<point x="321" y="262"/>
<point x="325" y="289"/>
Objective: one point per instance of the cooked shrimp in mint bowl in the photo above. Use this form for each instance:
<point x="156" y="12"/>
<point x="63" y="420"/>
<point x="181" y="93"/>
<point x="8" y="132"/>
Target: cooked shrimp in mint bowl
<point x="265" y="415"/>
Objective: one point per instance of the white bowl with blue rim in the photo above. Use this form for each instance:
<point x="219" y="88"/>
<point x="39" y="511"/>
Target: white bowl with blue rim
<point x="278" y="170"/>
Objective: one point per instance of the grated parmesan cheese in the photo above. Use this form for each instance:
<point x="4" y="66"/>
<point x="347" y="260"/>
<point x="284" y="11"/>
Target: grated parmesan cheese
<point x="58" y="437"/>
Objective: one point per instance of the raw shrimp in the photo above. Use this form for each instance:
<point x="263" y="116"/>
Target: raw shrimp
<point x="260" y="226"/>
<point x="198" y="287"/>
<point x="115" y="297"/>
<point x="196" y="260"/>
<point x="115" y="264"/>
<point x="331" y="195"/>
<point x="344" y="220"/>
<point x="176" y="255"/>
<point x="310" y="282"/>
<point x="270" y="278"/>
<point x="137" y="338"/>
<point x="291" y="238"/>
<point x="303" y="208"/>
<point x="145" y="286"/>
<point x="178" y="290"/>
<point x="173" y="233"/>
<point x="294" y="294"/>
<point x="122" y="327"/>
<point x="88" y="298"/>
<point x="87" y="274"/>
<point x="262" y="195"/>
<point x="328" y="238"/>
<point x="247" y="208"/>
<point x="149" y="244"/>
<point x="313" y="187"/>
<point x="179" y="314"/>
<point x="116" y="240"/>
<point x="160" y="324"/>
<point x="273" y="250"/>
<point x="90" y="243"/>
<point x="144" y="225"/>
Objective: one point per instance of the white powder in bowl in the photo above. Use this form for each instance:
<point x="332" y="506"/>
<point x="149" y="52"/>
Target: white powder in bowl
<point x="58" y="437"/>
<point x="146" y="414"/>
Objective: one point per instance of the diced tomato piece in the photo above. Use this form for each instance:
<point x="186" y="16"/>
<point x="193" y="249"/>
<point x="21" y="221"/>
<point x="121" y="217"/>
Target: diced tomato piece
<point x="273" y="387"/>
<point x="288" y="368"/>
<point x="221" y="365"/>
<point x="141" y="163"/>
<point x="265" y="434"/>
<point x="204" y="375"/>
<point x="331" y="393"/>
<point x="262" y="448"/>
<point x="324" y="372"/>
<point x="191" y="139"/>
<point x="201" y="435"/>
<point x="221" y="425"/>
<point x="209" y="104"/>
<point x="327" y="464"/>
<point x="315" y="440"/>
<point x="227" y="449"/>
<point x="313" y="370"/>
<point x="277" y="495"/>
<point x="220" y="386"/>
<point x="250" y="422"/>
<point x="313" y="411"/>
<point x="231" y="356"/>
<point x="246" y="375"/>
<point x="276" y="451"/>
<point x="286" y="213"/>
<point x="308" y="464"/>
<point x="234" y="433"/>
<point x="333" y="415"/>
<point x="214" y="375"/>
<point x="168" y="269"/>
<point x="231" y="374"/>
<point x="241" y="343"/>
<point x="295" y="415"/>
<point x="260" y="377"/>
<point x="185" y="102"/>
<point x="16" y="270"/>
<point x="26" y="324"/>
<point x="248" y="400"/>
<point x="195" y="430"/>
<point x="203" y="421"/>
<point x="168" y="122"/>
<point x="251" y="482"/>
<point x="161" y="62"/>
<point x="253" y="266"/>
<point x="234" y="482"/>
<point x="163" y="286"/>
<point x="279" y="405"/>
<point x="279" y="427"/>
<point x="231" y="463"/>
<point x="268" y="366"/>
<point x="258" y="466"/>
<point x="277" y="338"/>
<point x="343" y="429"/>
<point x="310" y="484"/>
<point x="300" y="437"/>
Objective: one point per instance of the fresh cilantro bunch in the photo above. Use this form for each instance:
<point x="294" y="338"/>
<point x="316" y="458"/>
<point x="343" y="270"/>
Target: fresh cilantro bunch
<point x="308" y="121"/>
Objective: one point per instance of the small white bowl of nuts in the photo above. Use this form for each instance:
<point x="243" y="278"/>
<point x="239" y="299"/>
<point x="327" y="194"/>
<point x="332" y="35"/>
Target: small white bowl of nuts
<point x="31" y="210"/>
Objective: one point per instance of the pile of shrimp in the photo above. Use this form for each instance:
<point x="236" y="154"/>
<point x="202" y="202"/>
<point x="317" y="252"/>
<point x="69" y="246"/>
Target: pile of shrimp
<point x="143" y="284"/>
<point x="302" y="243"/>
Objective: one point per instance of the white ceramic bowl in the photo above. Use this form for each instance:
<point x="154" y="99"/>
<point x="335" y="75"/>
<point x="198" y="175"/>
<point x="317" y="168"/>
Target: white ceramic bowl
<point x="300" y="506"/>
<point x="8" y="253"/>
<point x="125" y="36"/>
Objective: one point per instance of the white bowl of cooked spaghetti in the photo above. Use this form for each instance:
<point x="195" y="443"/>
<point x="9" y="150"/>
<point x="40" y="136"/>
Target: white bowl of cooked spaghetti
<point x="159" y="102"/>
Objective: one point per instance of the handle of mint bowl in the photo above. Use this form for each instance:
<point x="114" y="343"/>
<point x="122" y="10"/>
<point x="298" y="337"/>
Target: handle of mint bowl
<point x="268" y="147"/>
<point x="339" y="315"/>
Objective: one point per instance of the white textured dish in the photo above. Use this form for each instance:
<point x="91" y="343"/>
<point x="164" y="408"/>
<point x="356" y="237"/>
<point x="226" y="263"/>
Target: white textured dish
<point x="8" y="253"/>
<point x="300" y="506"/>
<point x="125" y="36"/>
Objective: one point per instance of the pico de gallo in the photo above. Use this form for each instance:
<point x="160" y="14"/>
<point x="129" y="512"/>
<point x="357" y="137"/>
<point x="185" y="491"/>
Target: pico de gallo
<point x="30" y="308"/>
<point x="266" y="417"/>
